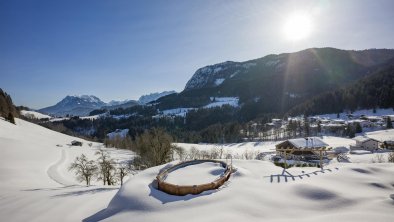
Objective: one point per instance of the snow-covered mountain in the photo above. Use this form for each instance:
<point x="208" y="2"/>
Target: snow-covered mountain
<point x="117" y="103"/>
<point x="153" y="96"/>
<point x="74" y="105"/>
<point x="215" y="75"/>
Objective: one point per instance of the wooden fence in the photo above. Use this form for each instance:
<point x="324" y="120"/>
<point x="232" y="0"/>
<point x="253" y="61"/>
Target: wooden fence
<point x="181" y="190"/>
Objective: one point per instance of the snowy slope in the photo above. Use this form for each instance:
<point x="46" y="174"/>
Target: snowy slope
<point x="34" y="115"/>
<point x="35" y="184"/>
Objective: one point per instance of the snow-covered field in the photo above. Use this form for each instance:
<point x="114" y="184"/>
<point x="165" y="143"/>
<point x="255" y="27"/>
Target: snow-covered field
<point x="36" y="186"/>
<point x="221" y="101"/>
<point x="239" y="149"/>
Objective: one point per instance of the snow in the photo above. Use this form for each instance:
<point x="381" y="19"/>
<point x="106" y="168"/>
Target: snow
<point x="196" y="174"/>
<point x="255" y="192"/>
<point x="219" y="81"/>
<point x="216" y="70"/>
<point x="381" y="135"/>
<point x="34" y="115"/>
<point x="221" y="101"/>
<point x="35" y="184"/>
<point x="208" y="75"/>
<point x="122" y="133"/>
<point x="234" y="74"/>
<point x="176" y="112"/>
<point x="248" y="65"/>
<point x="272" y="62"/>
<point x="311" y="142"/>
<point x="153" y="97"/>
<point x="94" y="117"/>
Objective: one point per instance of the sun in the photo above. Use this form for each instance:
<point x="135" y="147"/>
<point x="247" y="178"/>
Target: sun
<point x="297" y="27"/>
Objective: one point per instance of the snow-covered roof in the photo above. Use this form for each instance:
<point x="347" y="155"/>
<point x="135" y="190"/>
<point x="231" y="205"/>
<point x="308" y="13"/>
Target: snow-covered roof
<point x="363" y="139"/>
<point x="307" y="142"/>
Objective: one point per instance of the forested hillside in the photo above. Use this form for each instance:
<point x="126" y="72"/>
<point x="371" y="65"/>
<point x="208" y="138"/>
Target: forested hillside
<point x="371" y="92"/>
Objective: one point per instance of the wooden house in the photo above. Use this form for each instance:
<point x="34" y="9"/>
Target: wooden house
<point x="308" y="148"/>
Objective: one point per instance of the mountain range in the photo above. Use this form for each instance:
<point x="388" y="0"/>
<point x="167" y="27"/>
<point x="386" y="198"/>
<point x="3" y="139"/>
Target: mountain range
<point x="82" y="105"/>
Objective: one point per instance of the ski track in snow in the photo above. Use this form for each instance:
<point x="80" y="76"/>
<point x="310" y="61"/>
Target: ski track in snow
<point x="53" y="172"/>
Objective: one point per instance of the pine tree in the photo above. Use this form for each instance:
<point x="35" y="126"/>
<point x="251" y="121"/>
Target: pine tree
<point x="11" y="118"/>
<point x="359" y="129"/>
<point x="389" y="124"/>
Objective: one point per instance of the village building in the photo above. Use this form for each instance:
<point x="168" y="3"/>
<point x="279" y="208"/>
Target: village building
<point x="365" y="143"/>
<point x="309" y="148"/>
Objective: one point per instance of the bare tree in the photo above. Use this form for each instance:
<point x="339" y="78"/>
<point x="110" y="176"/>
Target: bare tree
<point x="84" y="169"/>
<point x="390" y="157"/>
<point x="122" y="171"/>
<point x="379" y="158"/>
<point x="194" y="153"/>
<point x="180" y="152"/>
<point x="106" y="166"/>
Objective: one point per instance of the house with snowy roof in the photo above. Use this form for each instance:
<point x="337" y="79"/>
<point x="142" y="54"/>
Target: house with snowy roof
<point x="308" y="146"/>
<point x="365" y="143"/>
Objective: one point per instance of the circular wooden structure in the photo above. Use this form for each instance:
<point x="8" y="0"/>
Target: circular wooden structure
<point x="181" y="190"/>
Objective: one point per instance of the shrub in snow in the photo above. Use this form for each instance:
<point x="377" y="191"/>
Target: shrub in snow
<point x="390" y="157"/>
<point x="379" y="158"/>
<point x="153" y="147"/>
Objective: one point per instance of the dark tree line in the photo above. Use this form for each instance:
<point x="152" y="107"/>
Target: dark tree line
<point x="7" y="108"/>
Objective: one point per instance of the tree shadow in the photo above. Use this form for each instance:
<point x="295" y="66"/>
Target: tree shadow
<point x="286" y="176"/>
<point x="83" y="192"/>
<point x="54" y="188"/>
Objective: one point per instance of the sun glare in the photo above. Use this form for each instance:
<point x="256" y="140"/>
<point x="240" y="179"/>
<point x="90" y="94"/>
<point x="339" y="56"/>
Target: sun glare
<point x="297" y="27"/>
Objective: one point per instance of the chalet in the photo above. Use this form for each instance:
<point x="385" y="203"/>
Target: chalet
<point x="76" y="143"/>
<point x="338" y="121"/>
<point x="365" y="143"/>
<point x="301" y="147"/>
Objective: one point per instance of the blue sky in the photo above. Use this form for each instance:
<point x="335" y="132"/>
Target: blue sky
<point x="123" y="49"/>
